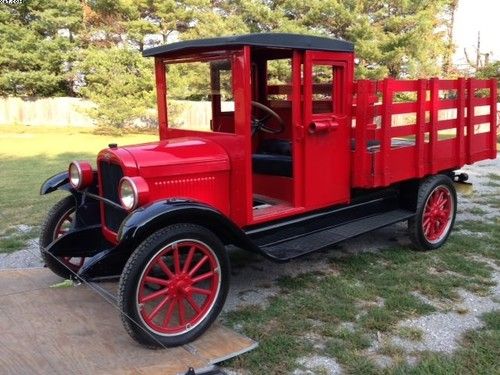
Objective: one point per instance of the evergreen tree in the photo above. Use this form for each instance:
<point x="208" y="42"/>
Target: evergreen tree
<point x="36" y="46"/>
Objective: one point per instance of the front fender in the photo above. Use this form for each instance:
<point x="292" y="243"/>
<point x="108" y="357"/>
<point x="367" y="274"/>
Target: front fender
<point x="59" y="181"/>
<point x="148" y="219"/>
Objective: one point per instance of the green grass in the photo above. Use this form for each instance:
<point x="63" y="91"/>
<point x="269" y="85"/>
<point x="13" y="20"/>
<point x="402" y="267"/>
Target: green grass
<point x="413" y="334"/>
<point x="28" y="156"/>
<point x="373" y="292"/>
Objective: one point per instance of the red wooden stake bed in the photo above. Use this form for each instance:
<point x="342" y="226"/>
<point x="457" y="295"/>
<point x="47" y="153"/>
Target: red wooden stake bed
<point x="270" y="146"/>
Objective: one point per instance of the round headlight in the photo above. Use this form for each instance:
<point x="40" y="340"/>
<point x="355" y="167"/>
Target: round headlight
<point x="75" y="176"/>
<point x="133" y="191"/>
<point x="80" y="174"/>
<point x="128" y="194"/>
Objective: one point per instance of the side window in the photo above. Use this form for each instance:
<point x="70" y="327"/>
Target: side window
<point x="323" y="90"/>
<point x="279" y="79"/>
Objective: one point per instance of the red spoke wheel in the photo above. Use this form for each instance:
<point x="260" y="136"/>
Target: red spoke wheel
<point x="59" y="221"/>
<point x="174" y="285"/>
<point x="436" y="209"/>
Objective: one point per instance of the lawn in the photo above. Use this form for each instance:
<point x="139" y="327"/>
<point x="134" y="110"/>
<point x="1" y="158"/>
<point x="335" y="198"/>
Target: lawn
<point x="28" y="156"/>
<point x="351" y="312"/>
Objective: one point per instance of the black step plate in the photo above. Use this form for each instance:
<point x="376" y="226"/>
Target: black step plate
<point x="298" y="246"/>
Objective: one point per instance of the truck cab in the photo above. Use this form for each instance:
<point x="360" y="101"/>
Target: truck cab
<point x="280" y="111"/>
<point x="265" y="143"/>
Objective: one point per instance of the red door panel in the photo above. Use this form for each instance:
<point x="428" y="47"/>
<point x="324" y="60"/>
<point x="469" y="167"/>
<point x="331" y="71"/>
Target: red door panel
<point x="327" y="128"/>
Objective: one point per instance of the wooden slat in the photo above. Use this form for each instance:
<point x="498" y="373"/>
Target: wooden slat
<point x="460" y="120"/>
<point x="420" y="133"/>
<point x="404" y="85"/>
<point x="480" y="83"/>
<point x="434" y="123"/>
<point x="482" y="119"/>
<point x="493" y="118"/>
<point x="448" y="104"/>
<point x="385" y="144"/>
<point x="401" y="108"/>
<point x="403" y="131"/>
<point x="448" y="84"/>
<point x="447" y="124"/>
<point x="481" y="101"/>
<point x="470" y="119"/>
<point x="279" y="89"/>
<point x="362" y="119"/>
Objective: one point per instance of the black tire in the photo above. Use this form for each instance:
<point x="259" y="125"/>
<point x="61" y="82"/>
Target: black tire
<point x="142" y="264"/>
<point x="432" y="184"/>
<point x="48" y="234"/>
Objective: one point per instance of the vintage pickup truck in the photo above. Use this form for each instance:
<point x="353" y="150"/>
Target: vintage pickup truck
<point x="280" y="153"/>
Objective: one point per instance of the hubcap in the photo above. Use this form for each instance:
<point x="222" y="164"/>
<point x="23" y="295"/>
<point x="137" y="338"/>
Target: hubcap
<point x="438" y="213"/>
<point x="178" y="287"/>
<point x="62" y="227"/>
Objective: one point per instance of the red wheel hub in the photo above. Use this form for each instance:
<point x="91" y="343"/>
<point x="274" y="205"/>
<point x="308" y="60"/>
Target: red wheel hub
<point x="62" y="227"/>
<point x="178" y="287"/>
<point x="438" y="212"/>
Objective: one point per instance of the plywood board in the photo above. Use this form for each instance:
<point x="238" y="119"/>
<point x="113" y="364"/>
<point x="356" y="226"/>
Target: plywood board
<point x="74" y="330"/>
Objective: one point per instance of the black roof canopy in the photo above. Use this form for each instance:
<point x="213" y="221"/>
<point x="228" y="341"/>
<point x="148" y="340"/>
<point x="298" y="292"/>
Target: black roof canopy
<point x="270" y="40"/>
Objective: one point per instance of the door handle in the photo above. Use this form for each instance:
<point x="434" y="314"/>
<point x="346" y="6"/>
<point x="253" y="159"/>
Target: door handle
<point x="322" y="126"/>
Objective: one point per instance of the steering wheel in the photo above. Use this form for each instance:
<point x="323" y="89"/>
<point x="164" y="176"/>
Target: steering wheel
<point x="259" y="124"/>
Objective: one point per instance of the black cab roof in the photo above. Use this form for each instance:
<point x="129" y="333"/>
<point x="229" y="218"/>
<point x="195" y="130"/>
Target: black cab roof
<point x="269" y="40"/>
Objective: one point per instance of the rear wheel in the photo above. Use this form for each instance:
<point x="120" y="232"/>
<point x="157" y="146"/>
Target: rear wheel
<point x="174" y="286"/>
<point x="59" y="221"/>
<point x="436" y="210"/>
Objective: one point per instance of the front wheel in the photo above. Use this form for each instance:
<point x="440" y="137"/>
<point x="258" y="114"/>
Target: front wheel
<point x="436" y="209"/>
<point x="59" y="221"/>
<point x="174" y="286"/>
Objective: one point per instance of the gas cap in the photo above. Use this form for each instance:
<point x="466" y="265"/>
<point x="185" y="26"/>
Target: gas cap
<point x="113" y="145"/>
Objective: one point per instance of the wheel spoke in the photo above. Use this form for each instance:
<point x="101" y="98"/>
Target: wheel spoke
<point x="158" y="308"/>
<point x="203" y="277"/>
<point x="153" y="296"/>
<point x="169" y="313"/>
<point x="182" y="312"/>
<point x="193" y="303"/>
<point x="156" y="280"/>
<point x="198" y="265"/>
<point x="189" y="259"/>
<point x="205" y="292"/>
<point x="165" y="268"/>
<point x="177" y="265"/>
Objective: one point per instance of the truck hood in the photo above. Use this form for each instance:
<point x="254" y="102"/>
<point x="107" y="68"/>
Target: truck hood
<point x="178" y="156"/>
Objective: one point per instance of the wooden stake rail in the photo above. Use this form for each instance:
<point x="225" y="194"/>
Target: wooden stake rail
<point x="421" y="127"/>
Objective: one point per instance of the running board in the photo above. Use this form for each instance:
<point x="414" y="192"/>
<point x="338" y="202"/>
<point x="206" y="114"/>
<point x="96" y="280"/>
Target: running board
<point x="292" y="248"/>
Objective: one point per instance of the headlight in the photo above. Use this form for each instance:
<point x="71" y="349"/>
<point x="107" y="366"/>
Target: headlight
<point x="133" y="191"/>
<point x="80" y="174"/>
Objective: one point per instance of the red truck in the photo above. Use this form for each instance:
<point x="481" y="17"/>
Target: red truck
<point x="293" y="156"/>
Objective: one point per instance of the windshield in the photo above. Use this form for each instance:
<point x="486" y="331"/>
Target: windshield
<point x="200" y="96"/>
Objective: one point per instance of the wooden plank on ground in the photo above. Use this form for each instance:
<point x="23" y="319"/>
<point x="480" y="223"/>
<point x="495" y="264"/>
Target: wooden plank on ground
<point x="75" y="331"/>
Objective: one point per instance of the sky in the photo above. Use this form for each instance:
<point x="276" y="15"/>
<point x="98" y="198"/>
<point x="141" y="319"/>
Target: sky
<point x="473" y="16"/>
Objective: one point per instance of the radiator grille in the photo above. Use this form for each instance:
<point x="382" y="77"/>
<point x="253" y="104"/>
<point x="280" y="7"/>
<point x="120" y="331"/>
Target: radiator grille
<point x="111" y="175"/>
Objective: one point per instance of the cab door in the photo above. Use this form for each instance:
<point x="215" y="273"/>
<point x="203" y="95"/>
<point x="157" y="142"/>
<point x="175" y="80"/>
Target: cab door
<point x="327" y="105"/>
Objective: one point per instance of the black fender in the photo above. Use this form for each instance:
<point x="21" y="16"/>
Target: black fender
<point x="150" y="218"/>
<point x="146" y="220"/>
<point x="87" y="210"/>
<point x="59" y="181"/>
